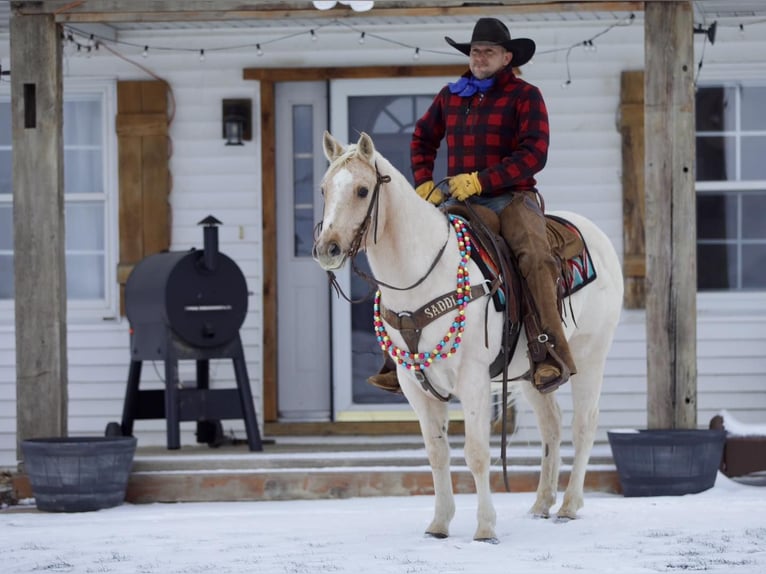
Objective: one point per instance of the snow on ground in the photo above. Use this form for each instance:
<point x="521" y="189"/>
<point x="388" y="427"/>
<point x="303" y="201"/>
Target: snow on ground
<point x="720" y="530"/>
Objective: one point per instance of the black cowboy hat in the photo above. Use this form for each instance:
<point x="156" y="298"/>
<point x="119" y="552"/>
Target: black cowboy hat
<point x="493" y="31"/>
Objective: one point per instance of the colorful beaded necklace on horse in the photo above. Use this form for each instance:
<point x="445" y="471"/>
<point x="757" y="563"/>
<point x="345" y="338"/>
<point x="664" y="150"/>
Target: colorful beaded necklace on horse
<point x="420" y="361"/>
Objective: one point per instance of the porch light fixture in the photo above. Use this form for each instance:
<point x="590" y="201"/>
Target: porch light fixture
<point x="237" y="121"/>
<point x="709" y="31"/>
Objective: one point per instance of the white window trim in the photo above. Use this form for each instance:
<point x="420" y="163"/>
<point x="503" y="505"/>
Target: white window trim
<point x="740" y="304"/>
<point x="84" y="312"/>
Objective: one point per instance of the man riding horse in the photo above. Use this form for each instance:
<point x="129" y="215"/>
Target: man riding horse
<point x="496" y="128"/>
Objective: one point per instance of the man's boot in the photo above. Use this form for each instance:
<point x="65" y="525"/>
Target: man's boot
<point x="386" y="377"/>
<point x="523" y="227"/>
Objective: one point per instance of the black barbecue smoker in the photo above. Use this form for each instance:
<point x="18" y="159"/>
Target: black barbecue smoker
<point x="188" y="305"/>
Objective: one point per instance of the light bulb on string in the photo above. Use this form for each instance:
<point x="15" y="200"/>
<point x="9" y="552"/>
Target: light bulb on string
<point x="313" y="36"/>
<point x="361" y="38"/>
<point x="145" y="53"/>
<point x="359" y="6"/>
<point x="258" y="51"/>
<point x="416" y="55"/>
<point x="202" y="55"/>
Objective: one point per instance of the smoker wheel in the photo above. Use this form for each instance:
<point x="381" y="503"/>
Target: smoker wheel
<point x="113" y="429"/>
<point x="210" y="432"/>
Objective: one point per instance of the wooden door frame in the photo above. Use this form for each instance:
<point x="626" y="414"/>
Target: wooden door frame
<point x="268" y="77"/>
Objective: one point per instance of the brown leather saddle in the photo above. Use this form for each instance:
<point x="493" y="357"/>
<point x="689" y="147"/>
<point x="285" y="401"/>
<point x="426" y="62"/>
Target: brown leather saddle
<point x="498" y="264"/>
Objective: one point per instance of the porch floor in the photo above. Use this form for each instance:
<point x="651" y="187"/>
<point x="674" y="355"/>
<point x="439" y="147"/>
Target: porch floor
<point x="301" y="467"/>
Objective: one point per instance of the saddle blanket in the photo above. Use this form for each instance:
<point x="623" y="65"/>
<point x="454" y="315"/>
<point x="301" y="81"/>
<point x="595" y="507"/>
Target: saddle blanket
<point x="580" y="270"/>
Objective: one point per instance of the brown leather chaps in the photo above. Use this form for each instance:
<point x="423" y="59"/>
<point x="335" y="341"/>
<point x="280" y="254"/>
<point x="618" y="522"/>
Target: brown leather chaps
<point x="522" y="225"/>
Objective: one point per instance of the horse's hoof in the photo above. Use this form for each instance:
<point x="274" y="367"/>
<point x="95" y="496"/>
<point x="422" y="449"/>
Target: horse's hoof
<point x="563" y="519"/>
<point x="540" y="515"/>
<point x="490" y="540"/>
<point x="439" y="535"/>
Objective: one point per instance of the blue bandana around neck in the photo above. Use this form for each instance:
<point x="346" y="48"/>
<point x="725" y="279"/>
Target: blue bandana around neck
<point x="467" y="86"/>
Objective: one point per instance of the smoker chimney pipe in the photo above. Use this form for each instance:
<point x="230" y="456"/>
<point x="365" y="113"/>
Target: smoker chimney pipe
<point x="210" y="242"/>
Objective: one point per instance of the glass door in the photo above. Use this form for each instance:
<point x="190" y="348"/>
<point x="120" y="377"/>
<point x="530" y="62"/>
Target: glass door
<point x="387" y="110"/>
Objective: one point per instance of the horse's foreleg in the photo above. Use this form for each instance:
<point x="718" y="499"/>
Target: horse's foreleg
<point x="586" y="387"/>
<point x="476" y="407"/>
<point x="548" y="416"/>
<point x="433" y="417"/>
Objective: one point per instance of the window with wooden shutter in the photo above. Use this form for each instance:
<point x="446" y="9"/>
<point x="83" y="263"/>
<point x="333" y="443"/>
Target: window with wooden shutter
<point x="632" y="131"/>
<point x="144" y="176"/>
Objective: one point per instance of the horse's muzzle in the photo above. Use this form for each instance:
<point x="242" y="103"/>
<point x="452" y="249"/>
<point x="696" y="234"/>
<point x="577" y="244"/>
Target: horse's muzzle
<point x="328" y="254"/>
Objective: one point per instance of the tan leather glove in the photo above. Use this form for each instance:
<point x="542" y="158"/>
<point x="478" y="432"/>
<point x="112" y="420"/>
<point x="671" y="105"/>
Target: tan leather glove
<point x="430" y="193"/>
<point x="464" y="185"/>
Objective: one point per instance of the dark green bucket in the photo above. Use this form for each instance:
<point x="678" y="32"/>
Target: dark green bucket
<point x="78" y="474"/>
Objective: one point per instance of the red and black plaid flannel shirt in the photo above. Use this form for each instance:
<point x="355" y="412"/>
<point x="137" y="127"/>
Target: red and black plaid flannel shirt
<point x="503" y="134"/>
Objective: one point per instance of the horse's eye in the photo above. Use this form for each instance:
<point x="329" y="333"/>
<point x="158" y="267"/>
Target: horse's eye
<point x="362" y="192"/>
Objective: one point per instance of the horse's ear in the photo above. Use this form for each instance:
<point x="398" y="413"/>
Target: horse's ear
<point x="332" y="147"/>
<point x="365" y="147"/>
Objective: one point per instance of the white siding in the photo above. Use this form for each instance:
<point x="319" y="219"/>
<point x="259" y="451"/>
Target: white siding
<point x="583" y="174"/>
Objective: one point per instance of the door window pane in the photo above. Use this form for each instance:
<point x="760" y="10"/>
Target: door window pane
<point x="303" y="180"/>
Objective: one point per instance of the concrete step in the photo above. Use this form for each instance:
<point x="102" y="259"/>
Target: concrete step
<point x="292" y="468"/>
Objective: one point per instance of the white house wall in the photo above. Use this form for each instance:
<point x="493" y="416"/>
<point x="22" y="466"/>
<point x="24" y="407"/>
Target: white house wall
<point x="583" y="174"/>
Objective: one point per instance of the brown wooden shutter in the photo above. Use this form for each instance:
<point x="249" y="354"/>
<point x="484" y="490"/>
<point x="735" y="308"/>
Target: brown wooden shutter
<point x="144" y="176"/>
<point x="632" y="130"/>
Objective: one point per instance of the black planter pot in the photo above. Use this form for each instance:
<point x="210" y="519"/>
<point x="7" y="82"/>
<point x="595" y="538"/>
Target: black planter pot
<point x="78" y="474"/>
<point x="666" y="462"/>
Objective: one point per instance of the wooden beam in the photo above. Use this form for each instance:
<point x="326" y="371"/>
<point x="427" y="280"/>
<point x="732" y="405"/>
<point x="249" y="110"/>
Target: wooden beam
<point x="633" y="214"/>
<point x="269" y="242"/>
<point x="359" y="73"/>
<point x="106" y="11"/>
<point x="38" y="225"/>
<point x="671" y="309"/>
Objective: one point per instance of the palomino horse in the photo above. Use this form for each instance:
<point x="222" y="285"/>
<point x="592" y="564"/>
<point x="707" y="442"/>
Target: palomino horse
<point x="414" y="254"/>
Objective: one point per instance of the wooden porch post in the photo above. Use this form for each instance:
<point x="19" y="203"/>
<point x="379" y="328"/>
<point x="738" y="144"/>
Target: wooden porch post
<point x="38" y="223"/>
<point x="671" y="308"/>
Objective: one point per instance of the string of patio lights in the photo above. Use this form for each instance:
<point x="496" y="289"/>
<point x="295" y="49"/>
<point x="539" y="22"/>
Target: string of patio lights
<point x="85" y="43"/>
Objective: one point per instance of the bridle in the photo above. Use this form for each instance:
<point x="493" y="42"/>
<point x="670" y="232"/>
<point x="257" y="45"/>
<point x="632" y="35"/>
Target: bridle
<point x="371" y="217"/>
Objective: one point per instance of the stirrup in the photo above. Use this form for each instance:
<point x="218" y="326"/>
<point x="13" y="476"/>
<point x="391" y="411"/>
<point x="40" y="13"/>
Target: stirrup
<point x="551" y="382"/>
